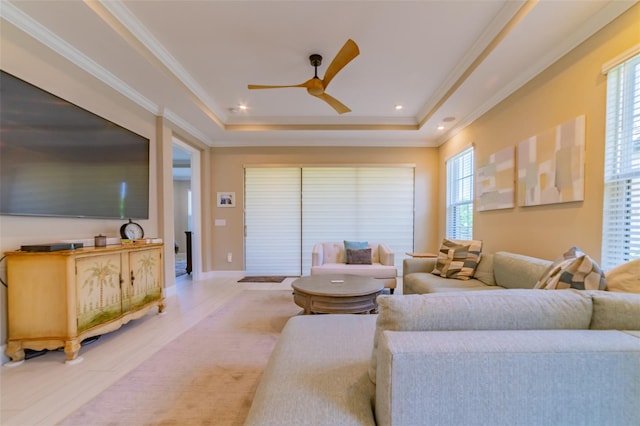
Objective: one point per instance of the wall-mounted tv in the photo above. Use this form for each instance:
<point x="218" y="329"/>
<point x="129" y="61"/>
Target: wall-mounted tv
<point x="57" y="159"/>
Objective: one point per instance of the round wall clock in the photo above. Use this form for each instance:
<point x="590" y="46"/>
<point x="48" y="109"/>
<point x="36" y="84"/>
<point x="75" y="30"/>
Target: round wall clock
<point x="131" y="231"/>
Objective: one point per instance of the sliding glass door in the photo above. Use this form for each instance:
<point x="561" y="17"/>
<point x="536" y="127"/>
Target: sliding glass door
<point x="303" y="206"/>
<point x="272" y="221"/>
<point x="357" y="203"/>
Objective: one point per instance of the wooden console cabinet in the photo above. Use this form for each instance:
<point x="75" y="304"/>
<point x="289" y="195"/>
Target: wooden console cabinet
<point x="58" y="299"/>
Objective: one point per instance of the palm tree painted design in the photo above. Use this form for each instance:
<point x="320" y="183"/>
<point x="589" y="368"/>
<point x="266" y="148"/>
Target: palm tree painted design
<point x="102" y="275"/>
<point x="146" y="268"/>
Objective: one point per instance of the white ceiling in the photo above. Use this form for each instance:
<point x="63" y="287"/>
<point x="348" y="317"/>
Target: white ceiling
<point x="191" y="61"/>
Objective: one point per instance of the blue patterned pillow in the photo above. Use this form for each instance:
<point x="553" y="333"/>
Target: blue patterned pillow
<point x="353" y="245"/>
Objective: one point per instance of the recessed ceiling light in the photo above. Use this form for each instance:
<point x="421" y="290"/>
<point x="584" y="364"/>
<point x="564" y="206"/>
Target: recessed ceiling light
<point x="441" y="127"/>
<point x="242" y="107"/>
<point x="398" y="107"/>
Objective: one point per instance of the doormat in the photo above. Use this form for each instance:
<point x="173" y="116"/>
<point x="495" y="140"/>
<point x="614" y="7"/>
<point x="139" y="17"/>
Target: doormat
<point x="262" y="279"/>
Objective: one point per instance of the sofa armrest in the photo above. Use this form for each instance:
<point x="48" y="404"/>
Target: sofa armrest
<point x="317" y="255"/>
<point x="496" y="377"/>
<point x="387" y="257"/>
<point x="409" y="266"/>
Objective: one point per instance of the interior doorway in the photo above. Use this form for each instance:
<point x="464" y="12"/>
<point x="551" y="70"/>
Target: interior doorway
<point x="186" y="209"/>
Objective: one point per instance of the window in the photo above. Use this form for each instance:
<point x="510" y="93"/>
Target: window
<point x="621" y="207"/>
<point x="460" y="196"/>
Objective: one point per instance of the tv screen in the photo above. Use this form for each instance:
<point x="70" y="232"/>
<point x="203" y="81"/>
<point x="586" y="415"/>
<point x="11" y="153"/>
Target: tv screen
<point x="57" y="159"/>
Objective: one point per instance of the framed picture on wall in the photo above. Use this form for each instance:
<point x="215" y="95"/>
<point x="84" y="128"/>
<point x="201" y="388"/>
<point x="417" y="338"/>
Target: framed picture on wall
<point x="226" y="199"/>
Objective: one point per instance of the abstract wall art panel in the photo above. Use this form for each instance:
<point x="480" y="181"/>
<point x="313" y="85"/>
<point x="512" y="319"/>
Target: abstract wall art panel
<point x="551" y="165"/>
<point x="496" y="181"/>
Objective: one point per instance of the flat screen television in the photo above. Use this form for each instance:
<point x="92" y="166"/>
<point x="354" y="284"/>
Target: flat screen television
<point x="57" y="159"/>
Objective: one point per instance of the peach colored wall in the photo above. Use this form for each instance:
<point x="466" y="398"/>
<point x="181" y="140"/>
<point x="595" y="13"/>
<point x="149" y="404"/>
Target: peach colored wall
<point x="228" y="175"/>
<point x="572" y="86"/>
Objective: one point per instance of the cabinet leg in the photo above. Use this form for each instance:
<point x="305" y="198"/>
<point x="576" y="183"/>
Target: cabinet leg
<point x="161" y="306"/>
<point x="15" y="351"/>
<point x="71" y="349"/>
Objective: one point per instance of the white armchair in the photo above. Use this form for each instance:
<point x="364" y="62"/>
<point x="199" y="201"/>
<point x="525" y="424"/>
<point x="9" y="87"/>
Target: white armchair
<point x="329" y="258"/>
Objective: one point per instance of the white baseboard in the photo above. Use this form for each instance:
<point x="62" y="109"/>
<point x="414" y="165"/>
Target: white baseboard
<point x="223" y="274"/>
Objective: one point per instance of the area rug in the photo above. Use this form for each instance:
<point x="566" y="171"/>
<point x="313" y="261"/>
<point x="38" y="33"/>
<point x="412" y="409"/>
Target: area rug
<point x="206" y="376"/>
<point x="262" y="279"/>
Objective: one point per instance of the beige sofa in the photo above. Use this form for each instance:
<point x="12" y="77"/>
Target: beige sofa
<point x="504" y="357"/>
<point x="329" y="258"/>
<point x="494" y="272"/>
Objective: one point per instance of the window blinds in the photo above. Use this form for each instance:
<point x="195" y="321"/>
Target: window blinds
<point x="324" y="204"/>
<point x="621" y="207"/>
<point x="460" y="196"/>
<point x="272" y="221"/>
<point x="357" y="203"/>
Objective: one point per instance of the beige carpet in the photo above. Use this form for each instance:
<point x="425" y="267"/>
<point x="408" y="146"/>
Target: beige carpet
<point x="207" y="376"/>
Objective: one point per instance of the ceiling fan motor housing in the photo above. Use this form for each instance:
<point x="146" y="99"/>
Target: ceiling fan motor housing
<point x="316" y="60"/>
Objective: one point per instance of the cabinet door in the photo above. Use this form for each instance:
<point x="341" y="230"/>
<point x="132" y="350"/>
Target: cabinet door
<point x="98" y="289"/>
<point x="146" y="277"/>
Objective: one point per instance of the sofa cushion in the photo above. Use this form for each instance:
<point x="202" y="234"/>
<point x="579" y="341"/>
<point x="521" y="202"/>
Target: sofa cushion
<point x="481" y="310"/>
<point x="624" y="278"/>
<point x="423" y="282"/>
<point x="332" y="252"/>
<point x="573" y="269"/>
<point x="484" y="271"/>
<point x="317" y="374"/>
<point x="533" y="377"/>
<point x="513" y="270"/>
<point x="615" y="311"/>
<point x="374" y="270"/>
<point x="458" y="258"/>
<point x="359" y="256"/>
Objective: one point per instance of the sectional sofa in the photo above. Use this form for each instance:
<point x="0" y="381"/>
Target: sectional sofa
<point x="501" y="357"/>
<point x="494" y="272"/>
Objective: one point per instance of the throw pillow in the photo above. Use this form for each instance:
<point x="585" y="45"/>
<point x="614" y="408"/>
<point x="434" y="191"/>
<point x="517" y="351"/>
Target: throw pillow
<point x="573" y="270"/>
<point x="451" y="257"/>
<point x="359" y="257"/>
<point x="353" y="245"/>
<point x="458" y="258"/>
<point x="624" y="278"/>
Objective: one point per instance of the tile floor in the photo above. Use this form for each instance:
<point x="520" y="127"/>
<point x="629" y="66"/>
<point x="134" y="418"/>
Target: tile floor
<point x="44" y="390"/>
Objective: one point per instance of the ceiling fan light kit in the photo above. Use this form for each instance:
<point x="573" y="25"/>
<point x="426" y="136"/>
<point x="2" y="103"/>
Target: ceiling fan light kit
<point x="315" y="86"/>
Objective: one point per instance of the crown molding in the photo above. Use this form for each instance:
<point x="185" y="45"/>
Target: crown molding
<point x="590" y="27"/>
<point x="185" y="126"/>
<point x="43" y="35"/>
<point x="457" y="75"/>
<point x="139" y="37"/>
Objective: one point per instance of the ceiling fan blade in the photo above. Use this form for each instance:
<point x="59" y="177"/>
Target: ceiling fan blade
<point x="259" y="86"/>
<point x="345" y="55"/>
<point x="335" y="104"/>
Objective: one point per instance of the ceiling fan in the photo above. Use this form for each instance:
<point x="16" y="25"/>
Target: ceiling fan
<point x="317" y="87"/>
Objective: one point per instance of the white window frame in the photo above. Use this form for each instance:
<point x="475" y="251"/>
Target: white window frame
<point x="621" y="206"/>
<point x="459" y="222"/>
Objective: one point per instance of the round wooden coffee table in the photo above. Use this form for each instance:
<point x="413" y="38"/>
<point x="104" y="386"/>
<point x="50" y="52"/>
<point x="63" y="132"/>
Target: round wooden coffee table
<point x="337" y="294"/>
